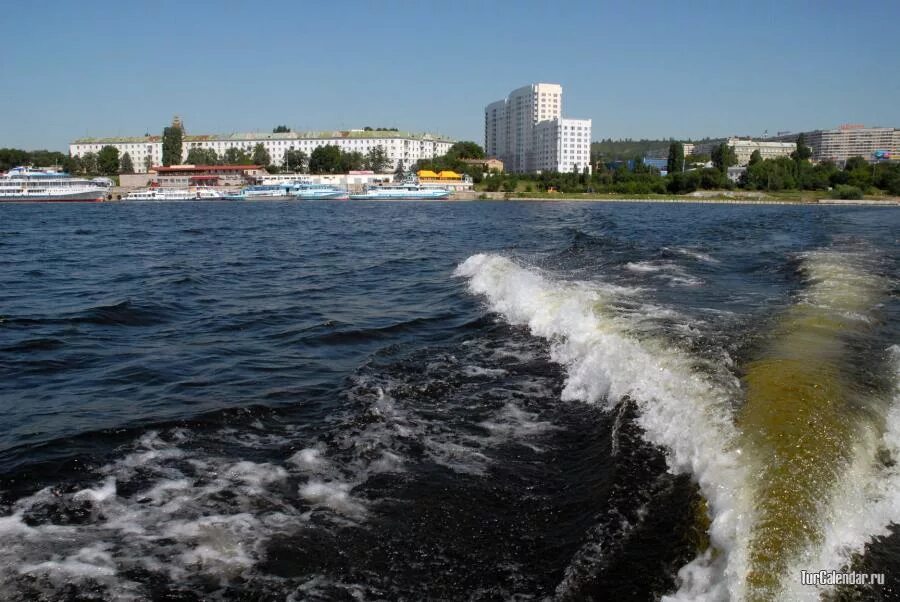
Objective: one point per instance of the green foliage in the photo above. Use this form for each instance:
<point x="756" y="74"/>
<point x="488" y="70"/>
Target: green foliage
<point x="379" y="129"/>
<point x="854" y="163"/>
<point x="295" y="160"/>
<point x="261" y="155"/>
<point x="87" y="164"/>
<point x="465" y="150"/>
<point x="125" y="164"/>
<point x="723" y="157"/>
<point x="803" y="152"/>
<point x="352" y="161"/>
<point x="171" y="145"/>
<point x="675" y="162"/>
<point x="887" y="177"/>
<point x="772" y="175"/>
<point x="846" y="192"/>
<point x="697" y="179"/>
<point x="281" y="129"/>
<point x="453" y="161"/>
<point x="202" y="156"/>
<point x="236" y="156"/>
<point x="700" y="159"/>
<point x="108" y="161"/>
<point x="755" y="157"/>
<point x="325" y="159"/>
<point x="148" y="163"/>
<point x="14" y="157"/>
<point x="377" y="160"/>
<point x="400" y="171"/>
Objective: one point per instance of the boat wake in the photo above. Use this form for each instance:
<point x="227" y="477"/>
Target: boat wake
<point x="785" y="457"/>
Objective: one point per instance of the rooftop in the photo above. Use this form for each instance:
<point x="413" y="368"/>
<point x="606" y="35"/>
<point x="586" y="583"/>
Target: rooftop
<point x="195" y="168"/>
<point x="254" y="136"/>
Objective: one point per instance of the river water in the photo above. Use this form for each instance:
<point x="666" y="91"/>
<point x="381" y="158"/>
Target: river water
<point x="462" y="401"/>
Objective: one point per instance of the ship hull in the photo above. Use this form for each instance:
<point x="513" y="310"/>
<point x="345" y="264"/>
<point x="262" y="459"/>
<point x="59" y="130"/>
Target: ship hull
<point x="80" y="197"/>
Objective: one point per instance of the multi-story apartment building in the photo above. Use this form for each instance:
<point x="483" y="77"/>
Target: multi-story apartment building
<point x="399" y="146"/>
<point x="562" y="145"/>
<point x="849" y="140"/>
<point x="511" y="127"/>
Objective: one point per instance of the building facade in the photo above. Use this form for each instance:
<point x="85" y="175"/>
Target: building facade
<point x="849" y="140"/>
<point x="511" y="129"/>
<point x="146" y="151"/>
<point x="562" y="145"/>
<point x="743" y="148"/>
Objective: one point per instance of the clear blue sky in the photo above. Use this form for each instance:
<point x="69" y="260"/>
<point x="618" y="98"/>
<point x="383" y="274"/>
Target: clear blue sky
<point x="638" y="69"/>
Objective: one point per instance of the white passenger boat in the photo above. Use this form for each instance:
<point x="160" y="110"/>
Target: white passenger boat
<point x="407" y="191"/>
<point x="29" y="184"/>
<point x="262" y="192"/>
<point x="173" y="194"/>
<point x="312" y="192"/>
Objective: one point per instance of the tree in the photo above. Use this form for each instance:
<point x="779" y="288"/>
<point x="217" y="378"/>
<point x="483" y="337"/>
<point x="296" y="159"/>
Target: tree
<point x="71" y="165"/>
<point x="261" y="155"/>
<point x="108" y="161"/>
<point x="352" y="161"/>
<point x="465" y="150"/>
<point x="723" y="157"/>
<point x="295" y="160"/>
<point x="325" y="159"/>
<point x="803" y="152"/>
<point x="400" y="171"/>
<point x="281" y="129"/>
<point x="377" y="160"/>
<point x="202" y="156"/>
<point x="125" y="164"/>
<point x="236" y="156"/>
<point x="148" y="163"/>
<point x="171" y="145"/>
<point x="755" y="157"/>
<point x="88" y="163"/>
<point x="675" y="162"/>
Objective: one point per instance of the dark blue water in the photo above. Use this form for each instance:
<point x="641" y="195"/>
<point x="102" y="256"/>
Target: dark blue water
<point x="257" y="401"/>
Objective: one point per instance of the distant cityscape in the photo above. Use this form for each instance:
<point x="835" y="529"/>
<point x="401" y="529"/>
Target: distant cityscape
<point x="525" y="132"/>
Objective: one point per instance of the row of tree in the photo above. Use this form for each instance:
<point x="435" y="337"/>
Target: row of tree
<point x="796" y="172"/>
<point x="107" y="162"/>
<point x="14" y="157"/>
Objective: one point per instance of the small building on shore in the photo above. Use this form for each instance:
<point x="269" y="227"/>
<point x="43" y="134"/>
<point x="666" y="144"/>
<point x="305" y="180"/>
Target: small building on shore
<point x="182" y="176"/>
<point x="445" y="179"/>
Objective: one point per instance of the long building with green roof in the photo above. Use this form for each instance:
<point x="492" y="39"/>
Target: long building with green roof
<point x="146" y="151"/>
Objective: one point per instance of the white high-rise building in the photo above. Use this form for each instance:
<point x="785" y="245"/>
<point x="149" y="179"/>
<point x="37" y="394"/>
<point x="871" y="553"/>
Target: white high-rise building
<point x="562" y="145"/>
<point x="511" y="129"/>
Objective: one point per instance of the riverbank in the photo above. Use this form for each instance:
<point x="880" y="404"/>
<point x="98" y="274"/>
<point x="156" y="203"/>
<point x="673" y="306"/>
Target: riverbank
<point x="706" y="196"/>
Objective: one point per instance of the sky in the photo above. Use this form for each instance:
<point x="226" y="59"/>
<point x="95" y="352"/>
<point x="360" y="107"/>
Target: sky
<point x="639" y="69"/>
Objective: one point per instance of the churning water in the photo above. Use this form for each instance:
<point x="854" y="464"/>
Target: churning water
<point x="479" y="401"/>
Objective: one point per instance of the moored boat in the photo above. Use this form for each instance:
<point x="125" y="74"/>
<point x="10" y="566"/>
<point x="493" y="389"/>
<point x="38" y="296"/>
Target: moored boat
<point x="43" y="185"/>
<point x="262" y="192"/>
<point x="173" y="194"/>
<point x="311" y="192"/>
<point x="409" y="190"/>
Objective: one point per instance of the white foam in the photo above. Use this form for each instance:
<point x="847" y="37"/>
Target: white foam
<point x="680" y="409"/>
<point x="474" y="371"/>
<point x="333" y="495"/>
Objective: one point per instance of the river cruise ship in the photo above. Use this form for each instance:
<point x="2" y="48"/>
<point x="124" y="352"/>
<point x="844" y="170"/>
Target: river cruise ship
<point x="29" y="184"/>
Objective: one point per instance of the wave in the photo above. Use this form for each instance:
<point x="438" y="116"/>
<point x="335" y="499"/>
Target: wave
<point x="681" y="410"/>
<point x="792" y="475"/>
